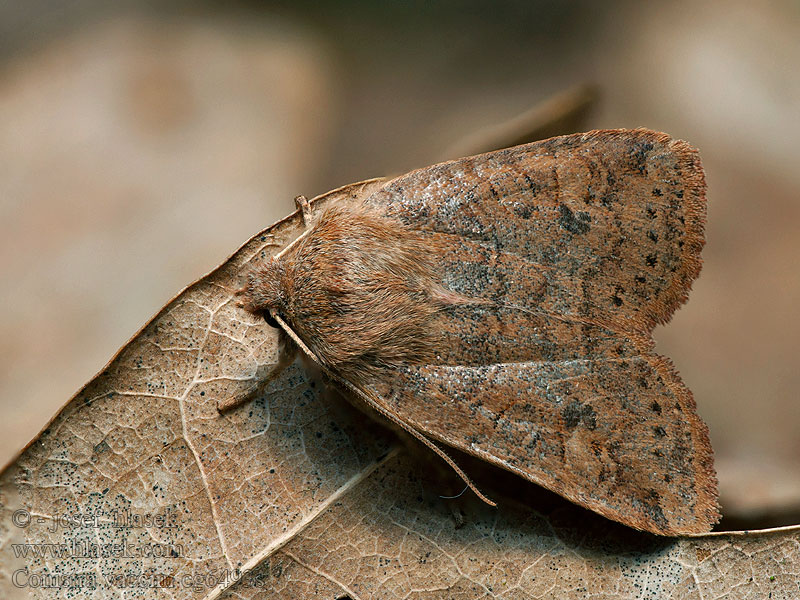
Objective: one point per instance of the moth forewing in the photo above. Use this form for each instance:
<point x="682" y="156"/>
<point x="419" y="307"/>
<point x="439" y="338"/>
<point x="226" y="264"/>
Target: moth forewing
<point x="503" y="303"/>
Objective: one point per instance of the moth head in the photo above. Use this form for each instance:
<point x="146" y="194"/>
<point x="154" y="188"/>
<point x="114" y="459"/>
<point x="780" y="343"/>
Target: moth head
<point x="266" y="292"/>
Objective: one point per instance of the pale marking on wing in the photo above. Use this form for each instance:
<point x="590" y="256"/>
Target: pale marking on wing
<point x="545" y="363"/>
<point x="490" y="246"/>
<point x="290" y="534"/>
<point x="610" y="325"/>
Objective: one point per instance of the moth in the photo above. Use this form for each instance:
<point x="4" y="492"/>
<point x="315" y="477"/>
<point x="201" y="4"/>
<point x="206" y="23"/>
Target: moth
<point x="503" y="305"/>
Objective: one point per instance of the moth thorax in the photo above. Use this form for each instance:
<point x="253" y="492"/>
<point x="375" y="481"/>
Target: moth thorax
<point x="360" y="290"/>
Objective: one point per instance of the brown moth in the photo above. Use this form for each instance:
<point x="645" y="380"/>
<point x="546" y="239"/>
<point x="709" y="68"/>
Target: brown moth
<point x="503" y="305"/>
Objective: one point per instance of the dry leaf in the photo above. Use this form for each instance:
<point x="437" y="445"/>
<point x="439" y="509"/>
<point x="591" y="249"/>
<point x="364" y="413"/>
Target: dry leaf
<point x="302" y="492"/>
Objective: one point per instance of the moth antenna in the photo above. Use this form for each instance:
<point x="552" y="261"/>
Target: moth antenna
<point x="458" y="495"/>
<point x="370" y="400"/>
<point x="519" y="308"/>
<point x="481" y="302"/>
<point x="551" y="315"/>
<point x="364" y="395"/>
<point x="290" y="332"/>
<point x="455" y="299"/>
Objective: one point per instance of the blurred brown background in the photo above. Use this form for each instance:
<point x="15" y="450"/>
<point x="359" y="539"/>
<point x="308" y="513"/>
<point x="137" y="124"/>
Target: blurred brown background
<point x="143" y="142"/>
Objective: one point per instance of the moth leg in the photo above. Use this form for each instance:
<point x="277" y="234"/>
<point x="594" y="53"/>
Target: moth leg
<point x="304" y="206"/>
<point x="286" y="355"/>
<point x="237" y="400"/>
